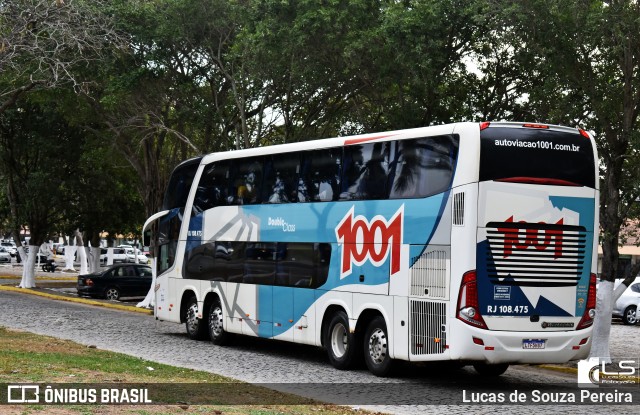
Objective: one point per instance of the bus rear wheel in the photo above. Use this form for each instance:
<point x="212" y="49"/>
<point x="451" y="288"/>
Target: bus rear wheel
<point x="340" y="342"/>
<point x="215" y="323"/>
<point x="491" y="370"/>
<point x="376" y="348"/>
<point x="196" y="329"/>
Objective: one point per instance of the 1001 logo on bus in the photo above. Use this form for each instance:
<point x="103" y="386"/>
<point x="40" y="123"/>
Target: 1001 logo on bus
<point x="552" y="238"/>
<point x="363" y="240"/>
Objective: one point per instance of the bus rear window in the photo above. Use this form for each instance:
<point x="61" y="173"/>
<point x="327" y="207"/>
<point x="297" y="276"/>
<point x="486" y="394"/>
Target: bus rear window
<point x="536" y="156"/>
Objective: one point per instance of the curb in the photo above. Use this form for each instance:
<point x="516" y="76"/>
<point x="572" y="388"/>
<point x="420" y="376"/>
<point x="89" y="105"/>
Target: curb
<point x="77" y="300"/>
<point x="40" y="278"/>
<point x="563" y="369"/>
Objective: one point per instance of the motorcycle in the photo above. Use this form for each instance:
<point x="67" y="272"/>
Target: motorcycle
<point x="49" y="266"/>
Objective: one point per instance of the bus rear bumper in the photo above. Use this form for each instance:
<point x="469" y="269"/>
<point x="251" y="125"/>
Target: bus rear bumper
<point x="518" y="347"/>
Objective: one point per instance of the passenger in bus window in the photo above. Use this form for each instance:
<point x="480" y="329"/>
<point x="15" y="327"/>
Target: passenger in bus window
<point x="247" y="193"/>
<point x="278" y="192"/>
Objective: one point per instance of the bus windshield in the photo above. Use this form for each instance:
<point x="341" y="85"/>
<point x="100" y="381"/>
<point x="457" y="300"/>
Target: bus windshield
<point x="540" y="156"/>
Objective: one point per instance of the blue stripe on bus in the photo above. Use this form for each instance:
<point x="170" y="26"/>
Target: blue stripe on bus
<point x="585" y="207"/>
<point x="290" y="303"/>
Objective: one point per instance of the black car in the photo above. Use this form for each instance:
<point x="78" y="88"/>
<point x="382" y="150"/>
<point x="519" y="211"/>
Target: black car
<point x="126" y="280"/>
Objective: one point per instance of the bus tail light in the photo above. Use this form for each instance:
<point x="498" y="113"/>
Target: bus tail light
<point x="590" y="310"/>
<point x="584" y="133"/>
<point x="539" y="126"/>
<point x="468" y="307"/>
<point x="484" y="125"/>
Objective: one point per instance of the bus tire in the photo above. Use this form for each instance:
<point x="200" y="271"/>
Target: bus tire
<point x="215" y="320"/>
<point x="196" y="328"/>
<point x="376" y="348"/>
<point x="491" y="370"/>
<point x="340" y="342"/>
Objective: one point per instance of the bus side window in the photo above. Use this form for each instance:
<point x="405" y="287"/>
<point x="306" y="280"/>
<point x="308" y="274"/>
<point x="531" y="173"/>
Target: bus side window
<point x="212" y="188"/>
<point x="425" y="167"/>
<point x="246" y="181"/>
<point x="281" y="178"/>
<point x="365" y="171"/>
<point x="320" y="175"/>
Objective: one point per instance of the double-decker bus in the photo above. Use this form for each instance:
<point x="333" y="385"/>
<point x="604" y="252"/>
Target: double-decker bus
<point x="467" y="242"/>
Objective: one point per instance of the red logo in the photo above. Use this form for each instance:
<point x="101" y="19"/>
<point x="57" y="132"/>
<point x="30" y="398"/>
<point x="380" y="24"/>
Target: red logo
<point x="363" y="241"/>
<point x="539" y="239"/>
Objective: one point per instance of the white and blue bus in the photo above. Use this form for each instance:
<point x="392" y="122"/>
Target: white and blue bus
<point x="467" y="242"/>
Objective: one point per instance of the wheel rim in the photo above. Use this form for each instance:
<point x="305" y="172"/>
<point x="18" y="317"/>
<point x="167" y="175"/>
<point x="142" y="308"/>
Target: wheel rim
<point x="215" y="321"/>
<point x="112" y="294"/>
<point x="631" y="316"/>
<point x="192" y="318"/>
<point x="378" y="346"/>
<point x="339" y="340"/>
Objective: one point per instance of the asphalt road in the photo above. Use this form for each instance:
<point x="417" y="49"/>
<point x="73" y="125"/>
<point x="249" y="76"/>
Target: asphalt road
<point x="288" y="367"/>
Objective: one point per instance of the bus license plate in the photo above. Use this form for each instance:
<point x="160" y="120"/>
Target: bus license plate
<point x="533" y="343"/>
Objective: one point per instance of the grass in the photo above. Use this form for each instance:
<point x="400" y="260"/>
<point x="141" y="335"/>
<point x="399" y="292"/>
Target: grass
<point x="30" y="358"/>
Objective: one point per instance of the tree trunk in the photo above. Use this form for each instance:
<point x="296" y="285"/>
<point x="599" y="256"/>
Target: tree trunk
<point x="82" y="254"/>
<point x="69" y="256"/>
<point x="28" y="270"/>
<point x="94" y="252"/>
<point x="602" y="322"/>
<point x="150" y="300"/>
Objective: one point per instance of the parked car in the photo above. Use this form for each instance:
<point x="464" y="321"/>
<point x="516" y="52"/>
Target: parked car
<point x="133" y="253"/>
<point x="626" y="305"/>
<point x="5" y="256"/>
<point x="126" y="280"/>
<point x="123" y="255"/>
<point x="10" y="247"/>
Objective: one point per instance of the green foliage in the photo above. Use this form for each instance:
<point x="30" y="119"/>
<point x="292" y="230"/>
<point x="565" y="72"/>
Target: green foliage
<point x="199" y="76"/>
<point x="577" y="64"/>
<point x="61" y="178"/>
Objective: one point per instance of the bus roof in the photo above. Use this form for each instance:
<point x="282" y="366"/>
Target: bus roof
<point x="334" y="142"/>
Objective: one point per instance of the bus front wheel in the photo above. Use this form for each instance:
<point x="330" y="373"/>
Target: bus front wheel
<point x="215" y="322"/>
<point x="376" y="348"/>
<point x="196" y="329"/>
<point x="340" y="342"/>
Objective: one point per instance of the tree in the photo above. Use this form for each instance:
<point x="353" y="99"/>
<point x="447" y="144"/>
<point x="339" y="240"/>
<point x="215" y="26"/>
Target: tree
<point x="580" y="62"/>
<point x="36" y="145"/>
<point x="44" y="45"/>
<point x="43" y="42"/>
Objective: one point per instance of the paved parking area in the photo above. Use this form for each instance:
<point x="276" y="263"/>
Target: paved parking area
<point x="624" y="341"/>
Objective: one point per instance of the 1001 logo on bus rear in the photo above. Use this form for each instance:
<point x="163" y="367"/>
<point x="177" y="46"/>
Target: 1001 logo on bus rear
<point x="514" y="240"/>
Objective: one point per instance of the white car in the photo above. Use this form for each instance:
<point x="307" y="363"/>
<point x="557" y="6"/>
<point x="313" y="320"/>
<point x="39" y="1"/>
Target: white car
<point x="123" y="255"/>
<point x="627" y="304"/>
<point x="4" y="255"/>
<point x="10" y="247"/>
<point x="132" y="253"/>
